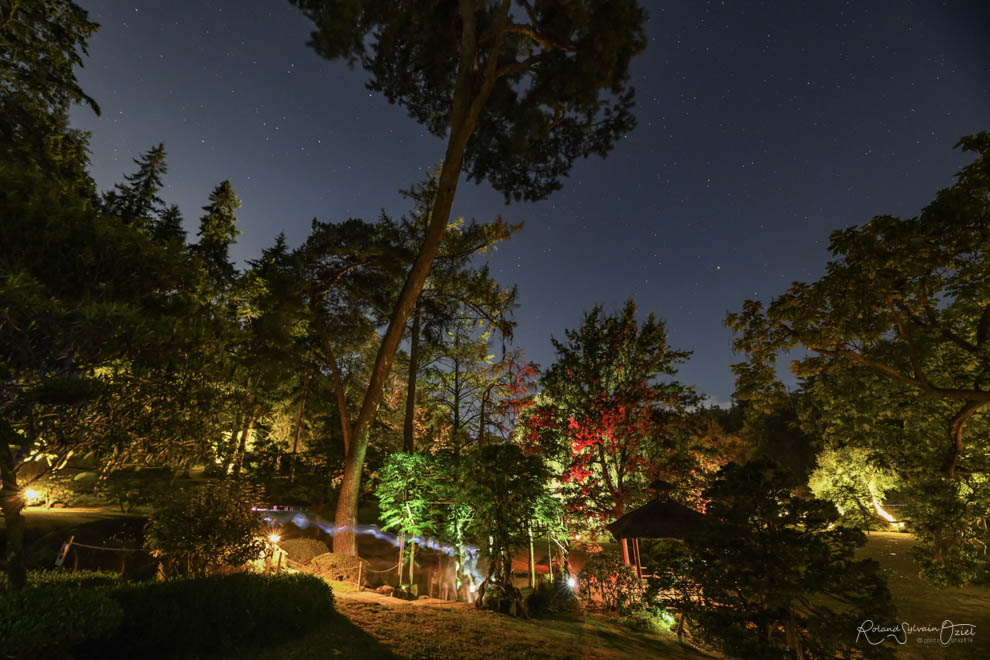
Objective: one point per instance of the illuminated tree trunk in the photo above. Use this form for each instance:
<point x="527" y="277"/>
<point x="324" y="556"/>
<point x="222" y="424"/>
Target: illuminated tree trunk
<point x="11" y="502"/>
<point x="468" y="101"/>
<point x="295" y="440"/>
<point x="532" y="560"/>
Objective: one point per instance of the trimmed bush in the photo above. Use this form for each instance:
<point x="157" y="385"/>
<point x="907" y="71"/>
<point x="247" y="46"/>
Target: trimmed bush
<point x="54" y="613"/>
<point x="337" y="566"/>
<point x="607" y="580"/>
<point x="303" y="550"/>
<point x="218" y="613"/>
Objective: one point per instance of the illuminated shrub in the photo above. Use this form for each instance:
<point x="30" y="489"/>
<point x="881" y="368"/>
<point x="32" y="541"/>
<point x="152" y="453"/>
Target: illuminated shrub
<point x="198" y="530"/>
<point x="606" y="580"/>
<point x="303" y="550"/>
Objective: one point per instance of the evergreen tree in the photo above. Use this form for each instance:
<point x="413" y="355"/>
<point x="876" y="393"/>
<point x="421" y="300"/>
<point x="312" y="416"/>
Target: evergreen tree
<point x="168" y="226"/>
<point x="136" y="202"/>
<point x="218" y="230"/>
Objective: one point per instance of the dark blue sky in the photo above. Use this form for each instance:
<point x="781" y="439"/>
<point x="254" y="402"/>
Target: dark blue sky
<point x="762" y="127"/>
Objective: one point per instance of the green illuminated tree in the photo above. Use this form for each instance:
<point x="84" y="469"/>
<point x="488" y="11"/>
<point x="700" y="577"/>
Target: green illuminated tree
<point x="519" y="90"/>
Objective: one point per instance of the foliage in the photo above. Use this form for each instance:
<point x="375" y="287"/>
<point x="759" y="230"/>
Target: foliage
<point x="41" y="44"/>
<point x="50" y="616"/>
<point x="652" y="620"/>
<point x="337" y="566"/>
<point x="898" y="332"/>
<point x="612" y="417"/>
<point x="407" y="494"/>
<point x="517" y="102"/>
<point x="553" y="79"/>
<point x="551" y="598"/>
<point x="303" y="550"/>
<point x="769" y="571"/>
<point x="207" y="615"/>
<point x="503" y="487"/>
<point x="133" y="487"/>
<point x="604" y="578"/>
<point x="850" y="479"/>
<point x="197" y="530"/>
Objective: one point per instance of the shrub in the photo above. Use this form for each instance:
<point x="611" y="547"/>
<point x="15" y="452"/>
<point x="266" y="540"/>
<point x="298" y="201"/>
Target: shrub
<point x="336" y="566"/>
<point x="605" y="578"/>
<point x="197" y="530"/>
<point x="653" y="620"/>
<point x="188" y="617"/>
<point x="54" y="613"/>
<point x="551" y="598"/>
<point x="303" y="550"/>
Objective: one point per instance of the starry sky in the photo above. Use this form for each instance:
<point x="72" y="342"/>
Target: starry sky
<point x="762" y="127"/>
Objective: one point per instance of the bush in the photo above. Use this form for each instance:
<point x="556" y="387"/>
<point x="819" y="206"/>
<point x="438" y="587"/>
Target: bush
<point x="336" y="566"/>
<point x="551" y="598"/>
<point x="200" y="529"/>
<point x="187" y="617"/>
<point x="54" y="613"/>
<point x="652" y="620"/>
<point x="303" y="550"/>
<point x="606" y="578"/>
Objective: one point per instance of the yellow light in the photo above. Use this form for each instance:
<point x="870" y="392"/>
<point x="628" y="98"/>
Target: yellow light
<point x="876" y="505"/>
<point x="274" y="538"/>
<point x="32" y="496"/>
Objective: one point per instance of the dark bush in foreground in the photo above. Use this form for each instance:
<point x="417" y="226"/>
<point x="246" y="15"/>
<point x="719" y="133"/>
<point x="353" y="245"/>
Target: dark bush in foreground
<point x="52" y="614"/>
<point x="192" y="616"/>
<point x="96" y="615"/>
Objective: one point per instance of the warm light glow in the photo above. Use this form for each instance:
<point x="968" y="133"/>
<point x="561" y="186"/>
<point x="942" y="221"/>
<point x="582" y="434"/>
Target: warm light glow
<point x="880" y="511"/>
<point x="32" y="496"/>
<point x="571" y="582"/>
<point x="274" y="539"/>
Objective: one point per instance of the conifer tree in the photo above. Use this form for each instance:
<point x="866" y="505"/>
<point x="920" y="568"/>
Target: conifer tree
<point x="136" y="202"/>
<point x="218" y="230"/>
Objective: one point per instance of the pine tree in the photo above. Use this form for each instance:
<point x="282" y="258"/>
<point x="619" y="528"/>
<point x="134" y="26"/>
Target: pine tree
<point x="168" y="226"/>
<point x="137" y="202"/>
<point x="218" y="230"/>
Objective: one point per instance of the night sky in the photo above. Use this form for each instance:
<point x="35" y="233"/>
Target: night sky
<point x="762" y="127"/>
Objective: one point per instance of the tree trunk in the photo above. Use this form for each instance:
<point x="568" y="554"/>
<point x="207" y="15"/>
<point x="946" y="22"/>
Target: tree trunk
<point x="532" y="560"/>
<point x="242" y="446"/>
<point x="466" y="107"/>
<point x="408" y="431"/>
<point x="11" y="502"/>
<point x="295" y="440"/>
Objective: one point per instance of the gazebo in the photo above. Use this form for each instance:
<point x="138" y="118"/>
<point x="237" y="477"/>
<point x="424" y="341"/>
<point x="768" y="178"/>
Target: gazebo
<point x="659" y="519"/>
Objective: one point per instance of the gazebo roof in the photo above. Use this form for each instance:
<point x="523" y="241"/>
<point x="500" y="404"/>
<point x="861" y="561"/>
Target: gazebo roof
<point x="659" y="519"/>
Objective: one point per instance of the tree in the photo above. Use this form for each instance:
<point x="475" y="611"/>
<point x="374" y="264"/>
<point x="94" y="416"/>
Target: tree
<point x="850" y="479"/>
<point x="902" y="315"/>
<point x="518" y="102"/>
<point x="769" y="575"/>
<point x="218" y="230"/>
<point x="612" y="416"/>
<point x="41" y="43"/>
<point x="137" y="202"/>
<point x="504" y="487"/>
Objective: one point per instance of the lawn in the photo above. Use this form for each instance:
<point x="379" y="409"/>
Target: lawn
<point x="919" y="603"/>
<point x="378" y="627"/>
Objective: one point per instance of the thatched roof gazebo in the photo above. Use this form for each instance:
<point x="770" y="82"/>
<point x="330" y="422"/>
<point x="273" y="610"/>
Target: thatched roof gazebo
<point x="658" y="519"/>
<point x="661" y="518"/>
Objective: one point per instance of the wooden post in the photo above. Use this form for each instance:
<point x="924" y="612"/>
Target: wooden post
<point x="360" y="573"/>
<point x="402" y="544"/>
<point x="625" y="552"/>
<point x="639" y="566"/>
<point x="65" y="551"/>
<point x="412" y="562"/>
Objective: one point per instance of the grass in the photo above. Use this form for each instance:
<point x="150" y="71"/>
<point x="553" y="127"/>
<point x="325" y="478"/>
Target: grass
<point x="399" y="629"/>
<point x="919" y="603"/>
